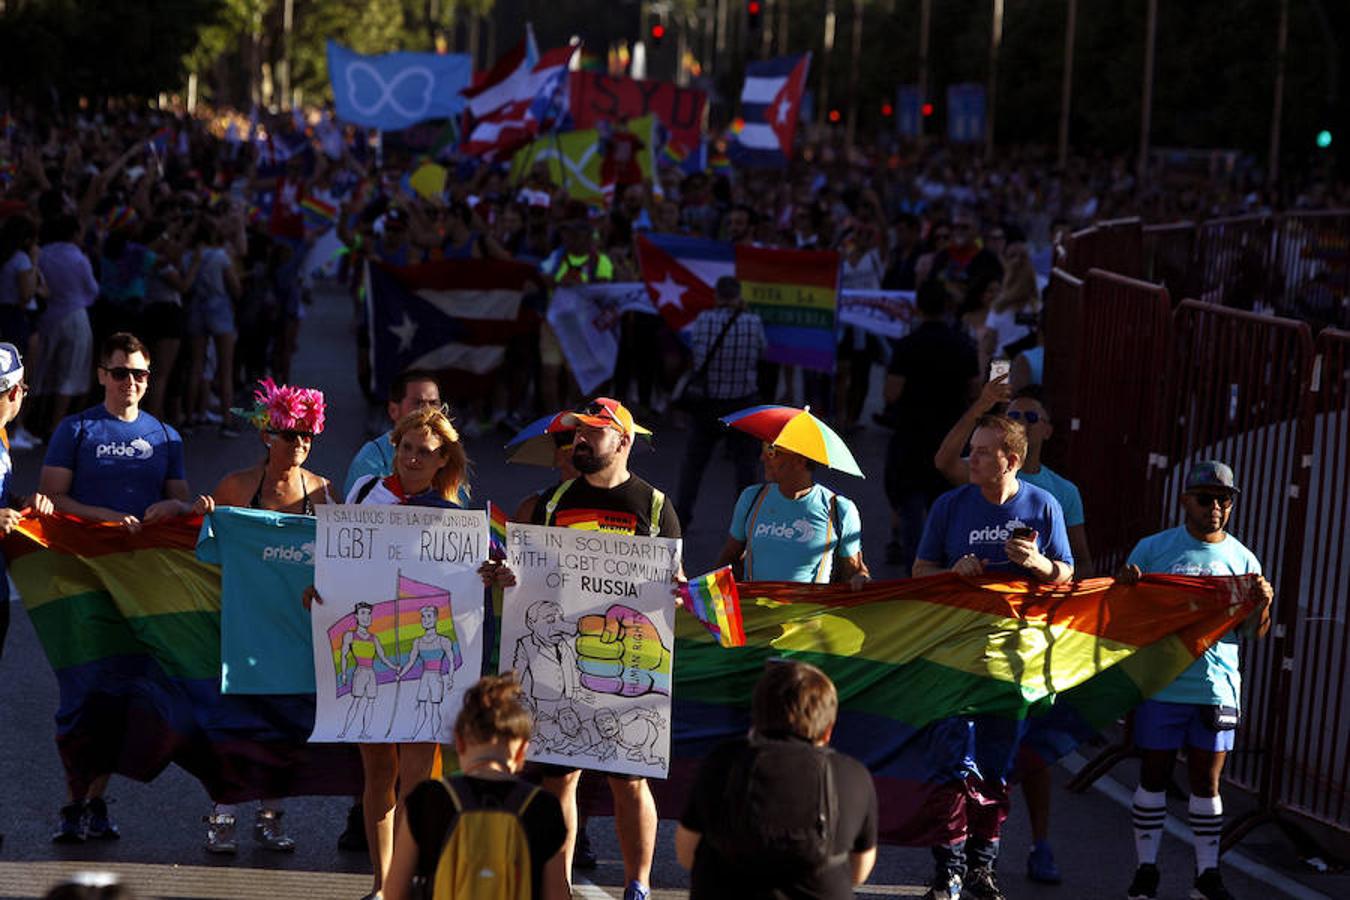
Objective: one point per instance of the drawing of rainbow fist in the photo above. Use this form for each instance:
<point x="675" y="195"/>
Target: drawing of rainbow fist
<point x="621" y="653"/>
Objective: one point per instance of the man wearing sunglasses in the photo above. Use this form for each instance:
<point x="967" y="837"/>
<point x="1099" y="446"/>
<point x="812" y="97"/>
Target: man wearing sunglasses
<point x="1200" y="710"/>
<point x="114" y="463"/>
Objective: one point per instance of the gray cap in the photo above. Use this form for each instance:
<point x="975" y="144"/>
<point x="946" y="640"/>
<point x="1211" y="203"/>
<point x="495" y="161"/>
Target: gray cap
<point x="1210" y="474"/>
<point x="11" y="366"/>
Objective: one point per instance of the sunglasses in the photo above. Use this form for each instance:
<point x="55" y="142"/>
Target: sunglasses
<point x="1206" y="500"/>
<point x="1031" y="417"/>
<point x="122" y="373"/>
<point x="290" y="435"/>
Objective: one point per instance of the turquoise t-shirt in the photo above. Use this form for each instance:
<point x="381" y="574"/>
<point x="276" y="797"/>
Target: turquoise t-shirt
<point x="266" y="561"/>
<point x="1212" y="679"/>
<point x="788" y="539"/>
<point x="1062" y="489"/>
<point x="376" y="457"/>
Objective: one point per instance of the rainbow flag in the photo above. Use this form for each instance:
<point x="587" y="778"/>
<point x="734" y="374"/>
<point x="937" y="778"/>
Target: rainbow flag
<point x="796" y="294"/>
<point x="131" y="626"/>
<point x="720" y="163"/>
<point x="317" y="213"/>
<point x="714" y="601"/>
<point x="928" y="668"/>
<point x="496" y="531"/>
<point x="396" y="624"/>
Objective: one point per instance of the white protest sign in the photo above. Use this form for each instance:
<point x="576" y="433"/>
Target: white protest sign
<point x="398" y="638"/>
<point x="590" y="628"/>
<point x="884" y="313"/>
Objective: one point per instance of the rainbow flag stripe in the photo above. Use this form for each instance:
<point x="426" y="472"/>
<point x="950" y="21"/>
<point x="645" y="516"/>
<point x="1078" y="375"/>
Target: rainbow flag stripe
<point x="317" y="213"/>
<point x="917" y="662"/>
<point x="496" y="531"/>
<point x="138" y="666"/>
<point x="714" y="601"/>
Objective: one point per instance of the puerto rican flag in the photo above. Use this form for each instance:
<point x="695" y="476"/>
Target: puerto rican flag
<point x="681" y="272"/>
<point x="769" y="103"/>
<point x="518" y="97"/>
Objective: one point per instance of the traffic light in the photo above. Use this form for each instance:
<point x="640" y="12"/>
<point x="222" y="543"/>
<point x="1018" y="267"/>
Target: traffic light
<point x="887" y="110"/>
<point x="658" y="32"/>
<point x="835" y="116"/>
<point x="926" y="110"/>
<point x="754" y="12"/>
<point x="1323" y="139"/>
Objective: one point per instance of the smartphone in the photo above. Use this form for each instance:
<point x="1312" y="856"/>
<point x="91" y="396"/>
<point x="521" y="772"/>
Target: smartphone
<point x="1024" y="533"/>
<point x="998" y="368"/>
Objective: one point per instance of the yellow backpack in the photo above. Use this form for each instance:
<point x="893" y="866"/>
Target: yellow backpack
<point x="486" y="854"/>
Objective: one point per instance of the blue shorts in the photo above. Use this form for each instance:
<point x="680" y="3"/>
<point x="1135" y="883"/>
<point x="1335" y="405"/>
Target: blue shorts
<point x="1159" y="725"/>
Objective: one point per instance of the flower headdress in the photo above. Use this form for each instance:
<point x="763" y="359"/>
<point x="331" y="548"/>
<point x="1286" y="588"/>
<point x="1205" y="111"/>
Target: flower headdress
<point x="285" y="408"/>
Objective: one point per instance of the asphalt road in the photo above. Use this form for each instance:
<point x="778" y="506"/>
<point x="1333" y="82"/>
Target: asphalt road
<point x="160" y="852"/>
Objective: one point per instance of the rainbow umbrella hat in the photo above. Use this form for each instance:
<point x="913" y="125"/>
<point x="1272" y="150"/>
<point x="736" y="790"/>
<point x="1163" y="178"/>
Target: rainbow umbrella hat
<point x="534" y="445"/>
<point x="798" y="431"/>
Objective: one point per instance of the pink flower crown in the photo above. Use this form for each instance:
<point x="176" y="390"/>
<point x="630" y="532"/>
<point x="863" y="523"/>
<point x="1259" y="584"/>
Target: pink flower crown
<point x="285" y="408"/>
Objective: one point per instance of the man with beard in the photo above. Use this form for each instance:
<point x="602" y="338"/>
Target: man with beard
<point x="607" y="497"/>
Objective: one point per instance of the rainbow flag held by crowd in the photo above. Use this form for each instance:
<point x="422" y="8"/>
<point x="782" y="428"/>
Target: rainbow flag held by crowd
<point x="396" y="624"/>
<point x="131" y="626"/>
<point x="317" y="213"/>
<point x="714" y="601"/>
<point x="916" y="662"/>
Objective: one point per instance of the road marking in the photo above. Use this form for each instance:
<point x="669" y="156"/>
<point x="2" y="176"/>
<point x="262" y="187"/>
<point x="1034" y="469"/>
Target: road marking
<point x="34" y="879"/>
<point x="1124" y="797"/>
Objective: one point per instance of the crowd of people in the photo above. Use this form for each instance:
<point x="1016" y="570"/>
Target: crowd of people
<point x="166" y="259"/>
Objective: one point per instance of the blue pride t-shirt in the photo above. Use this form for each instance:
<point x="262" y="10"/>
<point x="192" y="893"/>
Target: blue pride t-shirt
<point x="266" y="561"/>
<point x="794" y="540"/>
<point x="1212" y="679"/>
<point x="962" y="522"/>
<point x="118" y="465"/>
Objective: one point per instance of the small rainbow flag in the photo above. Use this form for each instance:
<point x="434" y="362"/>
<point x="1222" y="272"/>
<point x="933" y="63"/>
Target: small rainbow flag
<point x="720" y="163"/>
<point x="714" y="601"/>
<point x="496" y="531"/>
<point x="317" y="213"/>
<point x="674" y="153"/>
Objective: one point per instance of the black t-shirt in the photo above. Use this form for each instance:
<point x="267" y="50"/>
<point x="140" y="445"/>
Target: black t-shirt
<point x="430" y="814"/>
<point x="937" y="362"/>
<point x="855" y="832"/>
<point x="625" y="509"/>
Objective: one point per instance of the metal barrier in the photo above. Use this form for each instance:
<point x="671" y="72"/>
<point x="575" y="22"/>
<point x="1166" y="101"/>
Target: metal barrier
<point x="1312" y="268"/>
<point x="1238" y="390"/>
<point x="1234" y="261"/>
<point x="1063" y="344"/>
<point x="1169" y="257"/>
<point x="1114" y="245"/>
<point x="1123" y="339"/>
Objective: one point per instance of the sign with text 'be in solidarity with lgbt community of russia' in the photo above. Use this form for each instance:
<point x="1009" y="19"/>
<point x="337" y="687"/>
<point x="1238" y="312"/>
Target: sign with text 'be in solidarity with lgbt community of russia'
<point x="590" y="628"/>
<point x="398" y="638"/>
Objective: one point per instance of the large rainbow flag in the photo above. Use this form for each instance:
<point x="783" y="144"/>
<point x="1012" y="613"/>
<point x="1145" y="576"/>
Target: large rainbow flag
<point x="396" y="624"/>
<point x="916" y="661"/>
<point x="131" y="626"/>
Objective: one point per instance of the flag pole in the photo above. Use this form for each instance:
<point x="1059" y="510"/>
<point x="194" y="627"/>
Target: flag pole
<point x="398" y="681"/>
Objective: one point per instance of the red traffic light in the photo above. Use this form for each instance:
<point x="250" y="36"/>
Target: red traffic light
<point x="926" y="110"/>
<point x="658" y="31"/>
<point x="754" y="7"/>
<point x="887" y="110"/>
<point x="834" y="115"/>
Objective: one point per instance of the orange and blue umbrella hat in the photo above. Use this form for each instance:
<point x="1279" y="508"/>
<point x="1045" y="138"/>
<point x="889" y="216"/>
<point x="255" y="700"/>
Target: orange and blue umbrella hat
<point x="534" y="445"/>
<point x="798" y="431"/>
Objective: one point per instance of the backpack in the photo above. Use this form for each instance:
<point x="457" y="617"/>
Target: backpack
<point x="765" y="826"/>
<point x="485" y="854"/>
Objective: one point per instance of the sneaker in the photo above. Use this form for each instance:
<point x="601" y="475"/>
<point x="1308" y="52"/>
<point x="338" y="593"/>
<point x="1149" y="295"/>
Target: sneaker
<point x="1145" y="883"/>
<point x="1041" y="864"/>
<point x="71" y="829"/>
<point x="268" y="831"/>
<point x="583" y="857"/>
<point x="220" y="834"/>
<point x="980" y="884"/>
<point x="1209" y="886"/>
<point x="636" y="890"/>
<point x="945" y="886"/>
<point x="353" y="837"/>
<point x="96" y="821"/>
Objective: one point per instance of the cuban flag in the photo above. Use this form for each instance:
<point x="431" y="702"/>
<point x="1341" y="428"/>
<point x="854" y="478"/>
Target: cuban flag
<point x="769" y="103"/>
<point x="681" y="272"/>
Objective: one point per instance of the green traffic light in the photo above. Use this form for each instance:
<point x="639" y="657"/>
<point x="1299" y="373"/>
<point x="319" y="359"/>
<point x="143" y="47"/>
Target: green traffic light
<point x="1324" y="139"/>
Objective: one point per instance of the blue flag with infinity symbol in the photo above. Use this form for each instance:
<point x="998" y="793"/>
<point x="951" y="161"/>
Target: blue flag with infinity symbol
<point x="392" y="91"/>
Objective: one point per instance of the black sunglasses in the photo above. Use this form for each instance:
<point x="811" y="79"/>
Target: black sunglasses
<point x="1031" y="417"/>
<point x="122" y="373"/>
<point x="290" y="434"/>
<point x="1206" y="499"/>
